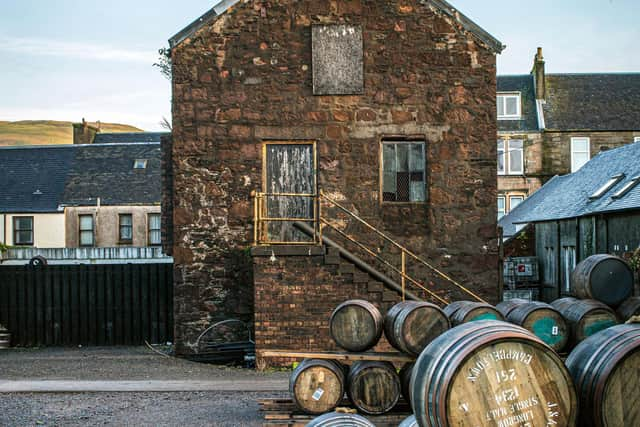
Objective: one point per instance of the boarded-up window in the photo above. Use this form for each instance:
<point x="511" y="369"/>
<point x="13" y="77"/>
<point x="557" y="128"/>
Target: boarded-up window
<point x="337" y="60"/>
<point x="403" y="171"/>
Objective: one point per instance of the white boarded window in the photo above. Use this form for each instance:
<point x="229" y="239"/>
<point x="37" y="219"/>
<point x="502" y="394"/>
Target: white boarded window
<point x="580" y="153"/>
<point x="509" y="106"/>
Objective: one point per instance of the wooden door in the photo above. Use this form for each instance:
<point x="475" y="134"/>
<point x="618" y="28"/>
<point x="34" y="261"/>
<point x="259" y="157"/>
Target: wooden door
<point x="289" y="168"/>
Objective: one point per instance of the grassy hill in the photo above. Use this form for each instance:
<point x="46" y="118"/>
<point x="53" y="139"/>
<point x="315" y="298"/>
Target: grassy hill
<point x="46" y="132"/>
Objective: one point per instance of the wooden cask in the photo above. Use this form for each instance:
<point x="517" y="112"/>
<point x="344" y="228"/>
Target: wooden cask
<point x="450" y="309"/>
<point x="405" y="381"/>
<point x="606" y="371"/>
<point x="506" y="307"/>
<point x="544" y="321"/>
<point x="5" y="339"/>
<point x="356" y="325"/>
<point x="603" y="277"/>
<point x="409" y="422"/>
<point x="584" y="317"/>
<point x="491" y="373"/>
<point x="317" y="386"/>
<point x="410" y="325"/>
<point x="373" y="387"/>
<point x="471" y="311"/>
<point x="335" y="419"/>
<point x="629" y="308"/>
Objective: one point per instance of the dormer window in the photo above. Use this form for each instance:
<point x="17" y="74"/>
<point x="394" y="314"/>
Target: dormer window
<point x="607" y="186"/>
<point x="509" y="106"/>
<point x="140" y="164"/>
<point x="628" y="187"/>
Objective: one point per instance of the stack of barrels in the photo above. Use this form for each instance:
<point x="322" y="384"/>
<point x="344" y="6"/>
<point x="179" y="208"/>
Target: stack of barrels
<point x="5" y="338"/>
<point x="373" y="387"/>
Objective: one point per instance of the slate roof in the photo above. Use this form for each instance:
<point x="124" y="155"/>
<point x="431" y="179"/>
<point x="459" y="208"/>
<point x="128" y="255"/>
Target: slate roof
<point x="25" y="170"/>
<point x="567" y="196"/>
<point x="77" y="175"/>
<point x="128" y="137"/>
<point x="601" y="102"/>
<point x="440" y="6"/>
<point x="106" y="171"/>
<point x="525" y="85"/>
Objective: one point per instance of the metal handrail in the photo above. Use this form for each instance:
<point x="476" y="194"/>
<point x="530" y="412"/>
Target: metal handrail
<point x="402" y="248"/>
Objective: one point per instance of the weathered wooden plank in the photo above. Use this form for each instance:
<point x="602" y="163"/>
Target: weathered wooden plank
<point x="342" y="356"/>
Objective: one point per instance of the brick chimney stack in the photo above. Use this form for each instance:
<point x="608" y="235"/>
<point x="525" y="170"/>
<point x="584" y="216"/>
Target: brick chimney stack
<point x="84" y="133"/>
<point x="539" y="75"/>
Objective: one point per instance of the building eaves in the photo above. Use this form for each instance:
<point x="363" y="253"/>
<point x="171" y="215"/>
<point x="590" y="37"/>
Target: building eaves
<point x="203" y="20"/>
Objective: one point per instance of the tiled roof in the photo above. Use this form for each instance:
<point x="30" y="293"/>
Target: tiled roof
<point x="525" y="85"/>
<point x="40" y="179"/>
<point x="568" y="196"/>
<point x="32" y="179"/>
<point x="440" y="6"/>
<point x="603" y="102"/>
<point x="128" y="137"/>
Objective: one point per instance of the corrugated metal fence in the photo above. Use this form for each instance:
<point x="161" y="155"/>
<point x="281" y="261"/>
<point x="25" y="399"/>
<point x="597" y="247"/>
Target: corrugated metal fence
<point x="113" y="304"/>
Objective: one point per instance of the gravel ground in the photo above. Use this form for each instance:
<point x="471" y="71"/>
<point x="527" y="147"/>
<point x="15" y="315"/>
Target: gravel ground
<point x="124" y="409"/>
<point x="113" y="364"/>
<point x="139" y="409"/>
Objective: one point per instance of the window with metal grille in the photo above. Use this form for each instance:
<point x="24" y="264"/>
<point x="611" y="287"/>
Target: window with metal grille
<point x="403" y="170"/>
<point x="23" y="230"/>
<point x="86" y="230"/>
<point x="154" y="230"/>
<point x="126" y="228"/>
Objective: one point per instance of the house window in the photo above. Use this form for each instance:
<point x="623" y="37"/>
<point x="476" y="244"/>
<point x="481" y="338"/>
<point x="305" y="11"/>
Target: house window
<point x="568" y="264"/>
<point x="23" y="230"/>
<point x="511" y="157"/>
<point x="154" y="230"/>
<point x="140" y="164"/>
<point x="403" y="171"/>
<point x="509" y="106"/>
<point x="580" y="153"/>
<point x="502" y="206"/>
<point x="514" y="201"/>
<point x="125" y="228"/>
<point x="86" y="230"/>
<point x="636" y="139"/>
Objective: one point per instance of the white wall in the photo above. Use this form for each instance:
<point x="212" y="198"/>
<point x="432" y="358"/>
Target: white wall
<point x="48" y="229"/>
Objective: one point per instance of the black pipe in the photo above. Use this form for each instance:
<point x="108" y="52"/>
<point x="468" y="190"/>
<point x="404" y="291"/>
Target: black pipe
<point x="386" y="280"/>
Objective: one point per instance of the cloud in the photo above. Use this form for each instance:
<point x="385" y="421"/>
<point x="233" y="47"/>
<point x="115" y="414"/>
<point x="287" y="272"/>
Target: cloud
<point x="79" y="50"/>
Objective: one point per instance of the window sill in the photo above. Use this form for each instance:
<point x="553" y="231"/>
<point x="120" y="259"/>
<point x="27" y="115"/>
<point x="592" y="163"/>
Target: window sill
<point x="512" y="118"/>
<point x="403" y="203"/>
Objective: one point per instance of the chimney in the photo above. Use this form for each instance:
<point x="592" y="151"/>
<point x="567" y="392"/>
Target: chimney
<point x="84" y="133"/>
<point x="539" y="76"/>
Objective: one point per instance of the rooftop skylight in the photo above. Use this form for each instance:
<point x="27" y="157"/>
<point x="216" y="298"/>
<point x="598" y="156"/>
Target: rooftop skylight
<point x="627" y="187"/>
<point x="607" y="186"/>
<point x="140" y="164"/>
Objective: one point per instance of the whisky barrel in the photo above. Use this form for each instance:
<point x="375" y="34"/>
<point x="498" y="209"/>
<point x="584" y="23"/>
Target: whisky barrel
<point x="356" y="325"/>
<point x="506" y="307"/>
<point x="336" y="419"/>
<point x="472" y="311"/>
<point x="629" y="308"/>
<point x="584" y="317"/>
<point x="603" y="277"/>
<point x="544" y="321"/>
<point x="491" y="373"/>
<point x="450" y="309"/>
<point x="317" y="386"/>
<point x="373" y="387"/>
<point x="410" y="421"/>
<point x="410" y="325"/>
<point x="405" y="381"/>
<point x="5" y="338"/>
<point x="605" y="370"/>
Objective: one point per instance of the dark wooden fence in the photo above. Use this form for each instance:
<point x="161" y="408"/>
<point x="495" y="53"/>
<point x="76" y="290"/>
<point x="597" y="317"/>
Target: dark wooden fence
<point x="108" y="304"/>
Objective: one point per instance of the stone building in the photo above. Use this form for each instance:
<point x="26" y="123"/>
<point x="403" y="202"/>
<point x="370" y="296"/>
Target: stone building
<point x="387" y="108"/>
<point x="552" y="124"/>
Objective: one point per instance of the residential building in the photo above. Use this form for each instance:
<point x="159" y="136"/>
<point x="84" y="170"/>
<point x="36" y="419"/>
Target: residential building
<point x="552" y="124"/>
<point x="98" y="195"/>
<point x="386" y="108"/>
<point x="593" y="210"/>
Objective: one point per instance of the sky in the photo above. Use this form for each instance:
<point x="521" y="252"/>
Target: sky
<point x="74" y="59"/>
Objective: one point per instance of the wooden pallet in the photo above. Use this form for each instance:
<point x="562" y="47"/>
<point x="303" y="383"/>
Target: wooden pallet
<point x="283" y="412"/>
<point x="338" y="355"/>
